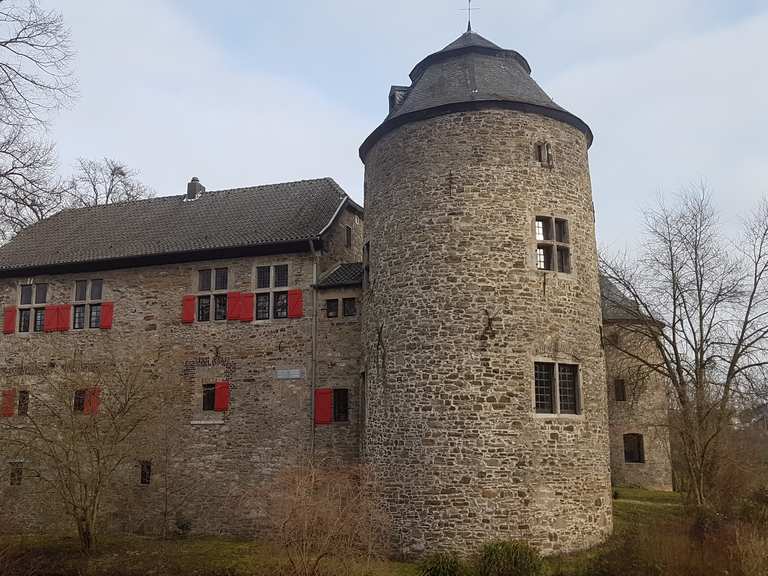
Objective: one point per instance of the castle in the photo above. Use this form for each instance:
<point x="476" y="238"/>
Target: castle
<point x="453" y="344"/>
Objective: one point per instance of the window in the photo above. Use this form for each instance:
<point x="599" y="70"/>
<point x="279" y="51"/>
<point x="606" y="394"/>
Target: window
<point x="553" y="251"/>
<point x="332" y="308"/>
<point x="348" y="236"/>
<point x="271" y="293"/>
<point x="212" y="287"/>
<point x="340" y="405"/>
<point x="87" y="303"/>
<point x="619" y="390"/>
<point x="78" y="404"/>
<point x="216" y="397"/>
<point x="32" y="300"/>
<point x="145" y="476"/>
<point x="23" y="407"/>
<point x="634" y="451"/>
<point x="17" y="472"/>
<point x="556" y="388"/>
<point x="209" y="397"/>
<point x="543" y="153"/>
<point x="366" y="265"/>
<point x="350" y="307"/>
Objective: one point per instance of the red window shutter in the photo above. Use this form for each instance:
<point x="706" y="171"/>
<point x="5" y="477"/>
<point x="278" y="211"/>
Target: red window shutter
<point x="323" y="406"/>
<point x="107" y="313"/>
<point x="246" y="307"/>
<point x="295" y="304"/>
<point x="233" y="305"/>
<point x="92" y="401"/>
<point x="221" y="401"/>
<point x="51" y="319"/>
<point x="9" y="401"/>
<point x="188" y="309"/>
<point x="9" y="320"/>
<point x="63" y="317"/>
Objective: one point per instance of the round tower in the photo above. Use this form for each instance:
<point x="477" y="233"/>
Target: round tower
<point x="485" y="403"/>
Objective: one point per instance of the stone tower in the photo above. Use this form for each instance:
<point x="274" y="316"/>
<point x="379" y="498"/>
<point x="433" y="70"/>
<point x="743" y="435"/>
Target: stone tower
<point x="485" y="403"/>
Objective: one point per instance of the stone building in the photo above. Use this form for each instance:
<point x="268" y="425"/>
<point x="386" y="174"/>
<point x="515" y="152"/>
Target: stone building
<point x="453" y="344"/>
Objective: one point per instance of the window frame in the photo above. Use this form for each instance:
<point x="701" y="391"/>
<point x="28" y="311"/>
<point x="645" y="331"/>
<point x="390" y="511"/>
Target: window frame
<point x="212" y="293"/>
<point x="542" y="154"/>
<point x="635" y="436"/>
<point x="348" y="236"/>
<point x="344" y="302"/>
<point x="145" y="472"/>
<point x="340" y="416"/>
<point x="550" y="244"/>
<point x="91" y="307"/>
<point x="619" y="382"/>
<point x="272" y="291"/>
<point x="209" y="397"/>
<point x="557" y="411"/>
<point x="29" y="313"/>
<point x="332" y="308"/>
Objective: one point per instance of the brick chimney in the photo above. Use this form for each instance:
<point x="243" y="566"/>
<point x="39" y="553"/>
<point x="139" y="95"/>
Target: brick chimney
<point x="194" y="189"/>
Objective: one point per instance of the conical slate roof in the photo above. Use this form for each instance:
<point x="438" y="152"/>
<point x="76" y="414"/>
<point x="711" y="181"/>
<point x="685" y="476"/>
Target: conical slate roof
<point x="471" y="73"/>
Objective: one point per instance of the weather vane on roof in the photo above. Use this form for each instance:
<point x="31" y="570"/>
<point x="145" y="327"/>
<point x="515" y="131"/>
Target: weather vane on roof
<point x="469" y="11"/>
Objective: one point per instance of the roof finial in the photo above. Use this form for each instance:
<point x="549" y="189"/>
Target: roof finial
<point x="469" y="16"/>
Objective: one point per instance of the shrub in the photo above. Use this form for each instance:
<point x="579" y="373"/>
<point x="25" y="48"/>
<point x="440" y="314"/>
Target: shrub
<point x="183" y="526"/>
<point x="707" y="522"/>
<point x="442" y="565"/>
<point x="509" y="559"/>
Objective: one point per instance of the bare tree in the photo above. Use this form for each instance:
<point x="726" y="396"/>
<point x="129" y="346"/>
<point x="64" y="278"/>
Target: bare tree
<point x="702" y="303"/>
<point x="81" y="429"/>
<point x="104" y="181"/>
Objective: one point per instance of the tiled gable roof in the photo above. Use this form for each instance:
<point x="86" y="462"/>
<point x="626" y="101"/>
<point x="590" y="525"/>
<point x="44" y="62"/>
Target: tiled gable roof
<point x="345" y="274"/>
<point x="243" y="217"/>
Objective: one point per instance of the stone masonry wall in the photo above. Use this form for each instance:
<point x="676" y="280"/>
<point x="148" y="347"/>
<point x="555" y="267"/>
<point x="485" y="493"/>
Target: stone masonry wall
<point x="455" y="317"/>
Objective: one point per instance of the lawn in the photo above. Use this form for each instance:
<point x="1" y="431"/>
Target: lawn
<point x="133" y="555"/>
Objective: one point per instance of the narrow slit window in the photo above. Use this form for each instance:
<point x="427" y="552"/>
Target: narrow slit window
<point x="348" y="236"/>
<point x="145" y="475"/>
<point x="620" y="390"/>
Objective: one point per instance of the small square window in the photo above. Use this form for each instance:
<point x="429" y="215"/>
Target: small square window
<point x="332" y="308"/>
<point x="23" y="407"/>
<point x="348" y="236"/>
<point x="24" y="316"/>
<point x="350" y="307"/>
<point x="78" y="404"/>
<point x="209" y="397"/>
<point x="281" y="305"/>
<point x="281" y="276"/>
<point x="96" y="289"/>
<point x="262" y="306"/>
<point x="222" y="278"/>
<point x="95" y="317"/>
<point x="203" y="308"/>
<point x="39" y="319"/>
<point x="41" y="293"/>
<point x="146" y="472"/>
<point x="26" y="294"/>
<point x="78" y="317"/>
<point x="204" y="280"/>
<point x="340" y="405"/>
<point x="220" y="307"/>
<point x="81" y="290"/>
<point x="17" y="473"/>
<point x="263" y="276"/>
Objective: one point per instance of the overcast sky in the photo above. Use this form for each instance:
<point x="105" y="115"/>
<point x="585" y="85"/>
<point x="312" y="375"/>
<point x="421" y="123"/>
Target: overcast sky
<point x="247" y="92"/>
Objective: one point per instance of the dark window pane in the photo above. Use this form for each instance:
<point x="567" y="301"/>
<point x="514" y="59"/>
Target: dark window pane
<point x="17" y="471"/>
<point x="209" y="397"/>
<point x="23" y="402"/>
<point x="26" y="294"/>
<point x="24" y="320"/>
<point x="350" y="307"/>
<point x="79" y="402"/>
<point x="41" y="293"/>
<point x="620" y="391"/>
<point x="561" y="231"/>
<point x="262" y="306"/>
<point x="340" y="405"/>
<point x="81" y="290"/>
<point x="222" y="279"/>
<point x="146" y="472"/>
<point x="563" y="259"/>
<point x="568" y="380"/>
<point x="78" y="317"/>
<point x="96" y="289"/>
<point x="39" y="319"/>
<point x="332" y="308"/>
<point x="95" y="319"/>
<point x="634" y="451"/>
<point x="203" y="308"/>
<point x="281" y="276"/>
<point x="220" y="307"/>
<point x="204" y="281"/>
<point x="281" y="305"/>
<point x="348" y="236"/>
<point x="263" y="275"/>
<point x="545" y="385"/>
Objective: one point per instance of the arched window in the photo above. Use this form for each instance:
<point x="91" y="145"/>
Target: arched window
<point x="634" y="451"/>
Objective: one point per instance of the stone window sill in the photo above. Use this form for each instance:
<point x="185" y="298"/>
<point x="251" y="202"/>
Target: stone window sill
<point x="207" y="422"/>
